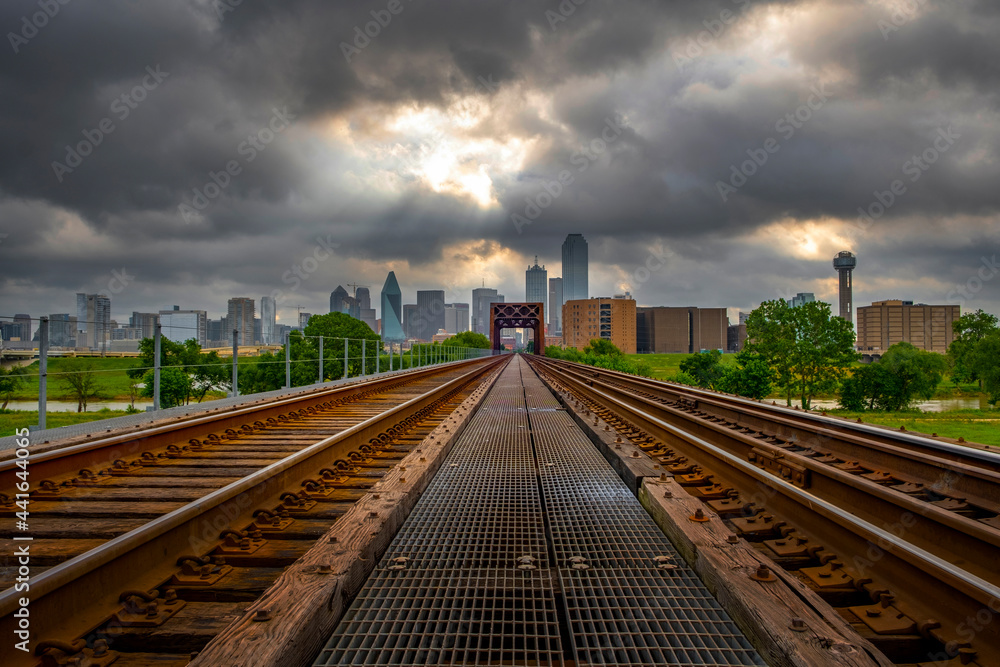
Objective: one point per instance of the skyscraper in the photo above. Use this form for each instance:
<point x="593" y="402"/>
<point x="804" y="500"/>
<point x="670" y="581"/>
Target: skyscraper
<point x="23" y="322"/>
<point x="392" y="309"/>
<point x="93" y="320"/>
<point x="844" y="264"/>
<point x="456" y="317"/>
<point x="267" y="320"/>
<point x="410" y="312"/>
<point x="339" y="300"/>
<point x="574" y="268"/>
<point x="363" y="296"/>
<point x="536" y="289"/>
<point x="800" y="299"/>
<point x="240" y="317"/>
<point x="430" y="314"/>
<point x="482" y="297"/>
<point x="181" y="325"/>
<point x="555" y="305"/>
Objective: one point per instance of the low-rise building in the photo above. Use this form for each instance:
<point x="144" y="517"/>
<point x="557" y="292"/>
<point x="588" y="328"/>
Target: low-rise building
<point x="610" y="318"/>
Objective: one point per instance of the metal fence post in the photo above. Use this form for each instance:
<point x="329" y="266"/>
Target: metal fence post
<point x="363" y="369"/>
<point x="43" y="370"/>
<point x="320" y="358"/>
<point x="345" y="358"/>
<point x="288" y="361"/>
<point x="156" y="366"/>
<point x="236" y="350"/>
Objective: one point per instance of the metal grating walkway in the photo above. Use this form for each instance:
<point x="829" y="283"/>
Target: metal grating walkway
<point x="487" y="569"/>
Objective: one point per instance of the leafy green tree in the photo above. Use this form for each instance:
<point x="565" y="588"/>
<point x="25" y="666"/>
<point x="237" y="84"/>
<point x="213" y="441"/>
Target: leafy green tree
<point x="600" y="347"/>
<point x="334" y="327"/>
<point x="903" y="374"/>
<point x="265" y="373"/>
<point x="469" y="339"/>
<point x="80" y="379"/>
<point x="985" y="360"/>
<point x="808" y="349"/>
<point x="211" y="373"/>
<point x="751" y="377"/>
<point x="175" y="386"/>
<point x="705" y="368"/>
<point x="869" y="387"/>
<point x="969" y="329"/>
<point x="917" y="372"/>
<point x="10" y="381"/>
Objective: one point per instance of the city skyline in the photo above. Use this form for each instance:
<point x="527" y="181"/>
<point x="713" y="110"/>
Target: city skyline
<point x="719" y="168"/>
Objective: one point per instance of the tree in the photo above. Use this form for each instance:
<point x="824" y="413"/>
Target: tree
<point x="81" y="380"/>
<point x="751" y="377"/>
<point x="904" y="373"/>
<point x="985" y="360"/>
<point x="334" y="327"/>
<point x="808" y="349"/>
<point x="705" y="368"/>
<point x="969" y="330"/>
<point x="469" y="339"/>
<point x="917" y="373"/>
<point x="600" y="347"/>
<point x="265" y="373"/>
<point x="868" y="388"/>
<point x="210" y="373"/>
<point x="10" y="381"/>
<point x="175" y="386"/>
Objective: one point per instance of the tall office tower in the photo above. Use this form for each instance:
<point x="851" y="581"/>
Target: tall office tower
<point x="258" y="331"/>
<point x="392" y="309"/>
<point x="240" y="317"/>
<point x="338" y="300"/>
<point x="363" y="296"/>
<point x="482" y="297"/>
<point x="23" y="323"/>
<point x="268" y="313"/>
<point x="215" y="333"/>
<point x="456" y="317"/>
<point x="95" y="330"/>
<point x="62" y="330"/>
<point x="144" y="321"/>
<point x="536" y="287"/>
<point x="81" y="317"/>
<point x="844" y="263"/>
<point x="555" y="305"/>
<point x="304" y="320"/>
<point x="409" y="319"/>
<point x="574" y="268"/>
<point x="800" y="299"/>
<point x="430" y="314"/>
<point x="181" y="325"/>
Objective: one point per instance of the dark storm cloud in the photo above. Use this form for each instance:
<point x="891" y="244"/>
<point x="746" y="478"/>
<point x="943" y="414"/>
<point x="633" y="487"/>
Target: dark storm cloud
<point x="650" y="106"/>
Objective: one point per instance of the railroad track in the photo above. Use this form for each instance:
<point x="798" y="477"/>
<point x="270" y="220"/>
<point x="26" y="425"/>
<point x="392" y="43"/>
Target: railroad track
<point x="145" y="545"/>
<point x="898" y="532"/>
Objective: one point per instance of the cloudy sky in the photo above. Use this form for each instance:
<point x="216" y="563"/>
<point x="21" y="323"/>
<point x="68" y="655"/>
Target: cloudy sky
<point x="713" y="152"/>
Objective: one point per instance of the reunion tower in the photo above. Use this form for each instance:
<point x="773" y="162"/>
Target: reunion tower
<point x="844" y="263"/>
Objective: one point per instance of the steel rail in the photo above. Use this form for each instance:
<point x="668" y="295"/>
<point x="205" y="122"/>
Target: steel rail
<point x="926" y="585"/>
<point x="98" y="453"/>
<point x="961" y="452"/>
<point x="91" y="581"/>
<point x="967" y="478"/>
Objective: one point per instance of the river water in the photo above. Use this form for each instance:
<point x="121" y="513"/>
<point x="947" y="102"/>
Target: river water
<point x="933" y="405"/>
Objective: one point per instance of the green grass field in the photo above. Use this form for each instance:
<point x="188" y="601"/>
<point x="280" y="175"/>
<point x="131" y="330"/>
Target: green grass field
<point x="666" y="366"/>
<point x="11" y="420"/>
<point x="110" y="373"/>
<point x="981" y="426"/>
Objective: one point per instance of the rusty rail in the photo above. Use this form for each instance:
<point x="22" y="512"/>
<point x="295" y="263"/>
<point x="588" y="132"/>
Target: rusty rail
<point x="942" y="568"/>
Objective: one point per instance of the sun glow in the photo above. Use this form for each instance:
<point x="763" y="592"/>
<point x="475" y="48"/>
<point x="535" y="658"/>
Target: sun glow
<point x="448" y="150"/>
